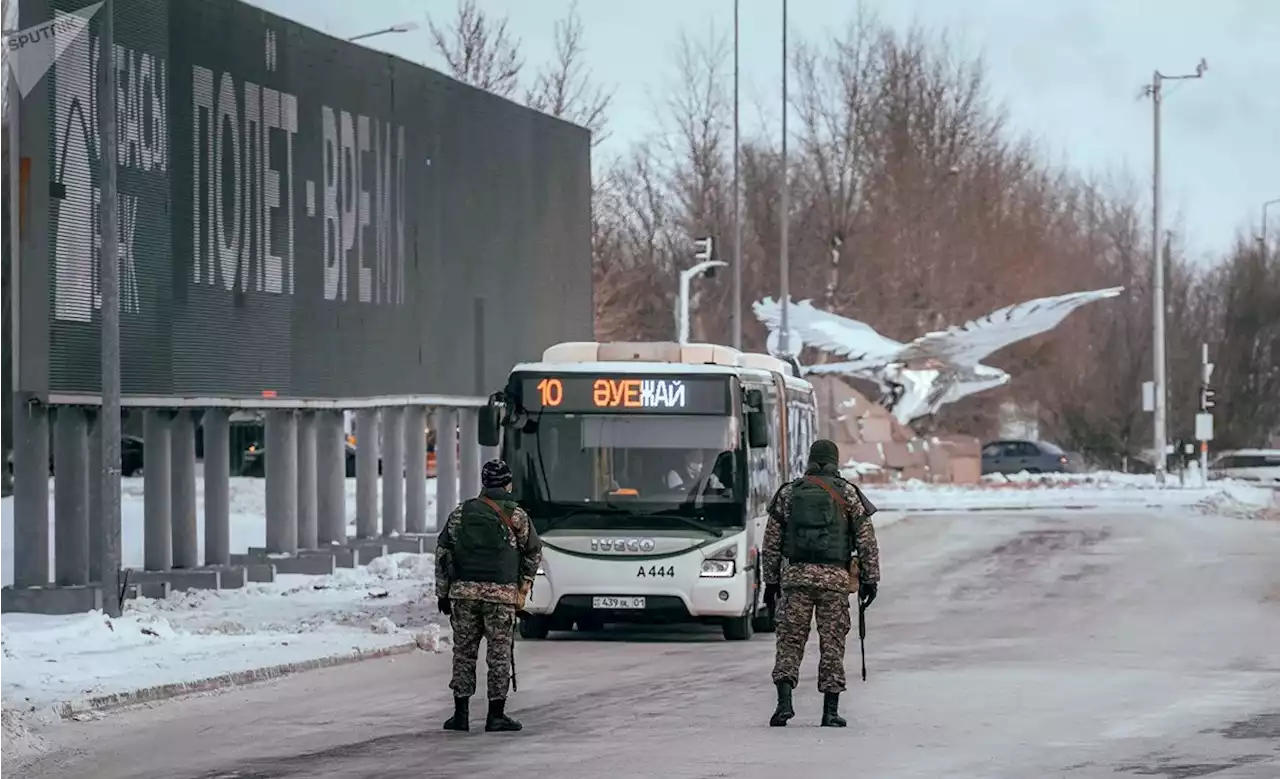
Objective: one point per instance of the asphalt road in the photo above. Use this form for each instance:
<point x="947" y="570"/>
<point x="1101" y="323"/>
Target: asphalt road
<point x="1068" y="644"/>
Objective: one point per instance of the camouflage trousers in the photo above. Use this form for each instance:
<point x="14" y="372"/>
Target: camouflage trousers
<point x="797" y="607"/>
<point x="473" y="620"/>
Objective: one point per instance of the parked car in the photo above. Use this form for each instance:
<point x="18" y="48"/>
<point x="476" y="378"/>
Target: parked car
<point x="1029" y="456"/>
<point x="130" y="457"/>
<point x="1249" y="465"/>
<point x="254" y="463"/>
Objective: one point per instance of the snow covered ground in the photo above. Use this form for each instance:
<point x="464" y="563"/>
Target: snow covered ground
<point x="197" y="635"/>
<point x="201" y="634"/>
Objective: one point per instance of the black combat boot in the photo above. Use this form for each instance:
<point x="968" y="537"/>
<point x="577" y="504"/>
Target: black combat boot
<point x="785" y="711"/>
<point x="831" y="711"/>
<point x="461" y="719"/>
<point x="498" y="720"/>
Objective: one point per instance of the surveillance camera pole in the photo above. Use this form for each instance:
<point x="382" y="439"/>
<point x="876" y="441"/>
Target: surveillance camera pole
<point x="1155" y="91"/>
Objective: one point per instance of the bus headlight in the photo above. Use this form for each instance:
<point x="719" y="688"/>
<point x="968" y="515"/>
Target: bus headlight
<point x="718" y="569"/>
<point x="722" y="564"/>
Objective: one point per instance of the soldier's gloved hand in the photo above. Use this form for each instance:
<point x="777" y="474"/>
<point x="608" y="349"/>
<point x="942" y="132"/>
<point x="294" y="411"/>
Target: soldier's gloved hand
<point x="771" y="592"/>
<point x="443" y="605"/>
<point x="866" y="593"/>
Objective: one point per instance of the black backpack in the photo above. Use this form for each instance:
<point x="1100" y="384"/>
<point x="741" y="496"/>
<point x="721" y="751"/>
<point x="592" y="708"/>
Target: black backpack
<point x="817" y="530"/>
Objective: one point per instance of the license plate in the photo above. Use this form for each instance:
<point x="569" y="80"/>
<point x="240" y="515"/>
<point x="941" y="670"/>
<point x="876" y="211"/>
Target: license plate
<point x="609" y="602"/>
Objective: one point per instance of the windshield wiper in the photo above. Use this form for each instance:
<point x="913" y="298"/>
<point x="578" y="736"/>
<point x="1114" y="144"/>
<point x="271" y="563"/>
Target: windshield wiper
<point x="691" y="522"/>
<point x="595" y="508"/>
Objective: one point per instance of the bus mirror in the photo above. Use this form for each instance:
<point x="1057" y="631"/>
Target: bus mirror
<point x="757" y="430"/>
<point x="490" y="425"/>
<point x="754" y="399"/>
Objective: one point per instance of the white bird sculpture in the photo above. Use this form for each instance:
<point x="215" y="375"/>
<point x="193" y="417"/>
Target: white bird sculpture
<point x="938" y="368"/>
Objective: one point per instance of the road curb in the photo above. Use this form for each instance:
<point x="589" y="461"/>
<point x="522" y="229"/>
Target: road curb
<point x="102" y="703"/>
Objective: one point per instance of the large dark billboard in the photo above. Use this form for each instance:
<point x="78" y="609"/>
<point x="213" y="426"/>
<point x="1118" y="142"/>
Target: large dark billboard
<point x="298" y="215"/>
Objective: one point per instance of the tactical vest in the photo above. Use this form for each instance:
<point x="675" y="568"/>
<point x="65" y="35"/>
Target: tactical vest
<point x="817" y="530"/>
<point x="483" y="548"/>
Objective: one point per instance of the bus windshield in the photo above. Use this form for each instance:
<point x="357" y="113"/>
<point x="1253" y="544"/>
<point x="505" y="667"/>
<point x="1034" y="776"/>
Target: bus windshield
<point x="628" y="471"/>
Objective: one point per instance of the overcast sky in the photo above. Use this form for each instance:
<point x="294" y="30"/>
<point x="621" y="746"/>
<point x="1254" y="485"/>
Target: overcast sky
<point x="1067" y="71"/>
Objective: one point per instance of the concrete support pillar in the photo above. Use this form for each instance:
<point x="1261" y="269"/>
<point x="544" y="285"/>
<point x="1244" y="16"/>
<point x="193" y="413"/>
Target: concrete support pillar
<point x="308" y="518"/>
<point x="331" y="486"/>
<point x="469" y="467"/>
<point x="30" y="493"/>
<point x="393" y="470"/>
<point x="96" y="524"/>
<point x="282" y="481"/>
<point x="415" y="469"/>
<point x="186" y="531"/>
<point x="217" y="487"/>
<point x="367" y="473"/>
<point x="157" y="503"/>
<point x="70" y="497"/>
<point x="446" y="464"/>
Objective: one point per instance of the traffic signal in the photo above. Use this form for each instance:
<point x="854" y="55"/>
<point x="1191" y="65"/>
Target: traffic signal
<point x="704" y="248"/>
<point x="1206" y="397"/>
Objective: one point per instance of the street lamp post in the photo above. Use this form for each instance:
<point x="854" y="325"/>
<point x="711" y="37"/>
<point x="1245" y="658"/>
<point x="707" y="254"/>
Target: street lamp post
<point x="784" y="291"/>
<point x="682" y="309"/>
<point x="737" y="206"/>
<point x="1265" y="206"/>
<point x="401" y="27"/>
<point x="1155" y="91"/>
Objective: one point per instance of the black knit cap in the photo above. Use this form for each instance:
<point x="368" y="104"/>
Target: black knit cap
<point x="495" y="473"/>
<point x="824" y="452"/>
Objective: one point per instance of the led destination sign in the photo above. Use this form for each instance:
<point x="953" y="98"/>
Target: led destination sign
<point x="579" y="393"/>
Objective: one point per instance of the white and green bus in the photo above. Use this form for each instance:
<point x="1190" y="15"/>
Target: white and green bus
<point x="647" y="469"/>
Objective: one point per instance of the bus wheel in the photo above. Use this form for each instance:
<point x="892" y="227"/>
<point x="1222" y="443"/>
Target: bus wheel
<point x="764" y="623"/>
<point x="739" y="628"/>
<point x="535" y="626"/>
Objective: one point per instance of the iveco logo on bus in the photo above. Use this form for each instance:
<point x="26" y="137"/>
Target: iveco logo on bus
<point x="634" y="545"/>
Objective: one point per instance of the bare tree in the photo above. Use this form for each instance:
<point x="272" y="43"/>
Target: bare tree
<point x="562" y="88"/>
<point x="479" y="50"/>
<point x="836" y="104"/>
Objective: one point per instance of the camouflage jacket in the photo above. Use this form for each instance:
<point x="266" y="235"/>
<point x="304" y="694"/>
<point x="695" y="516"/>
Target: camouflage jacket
<point x="526" y="540"/>
<point x="827" y="577"/>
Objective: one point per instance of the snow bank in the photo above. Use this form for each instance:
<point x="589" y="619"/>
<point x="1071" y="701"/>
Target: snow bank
<point x="199" y="634"/>
<point x="1065" y="490"/>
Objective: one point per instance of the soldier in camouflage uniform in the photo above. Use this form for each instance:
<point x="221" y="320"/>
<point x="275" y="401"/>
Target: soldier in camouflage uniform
<point x="819" y="546"/>
<point x="486" y="558"/>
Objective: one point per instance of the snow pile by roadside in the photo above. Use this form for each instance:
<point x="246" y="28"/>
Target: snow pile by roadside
<point x="1057" y="491"/>
<point x="200" y="634"/>
<point x="1236" y="504"/>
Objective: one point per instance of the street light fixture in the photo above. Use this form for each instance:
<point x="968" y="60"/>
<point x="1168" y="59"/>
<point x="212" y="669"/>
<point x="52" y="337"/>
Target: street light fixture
<point x="1263" y="238"/>
<point x="401" y="27"/>
<point x="1155" y="91"/>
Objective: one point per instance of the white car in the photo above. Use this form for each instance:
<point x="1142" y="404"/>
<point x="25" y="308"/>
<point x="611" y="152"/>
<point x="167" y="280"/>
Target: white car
<point x="1248" y="465"/>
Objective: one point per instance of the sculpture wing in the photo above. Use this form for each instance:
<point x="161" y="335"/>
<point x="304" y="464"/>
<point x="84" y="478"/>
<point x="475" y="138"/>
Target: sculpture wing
<point x="830" y="332"/>
<point x="974" y="341"/>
